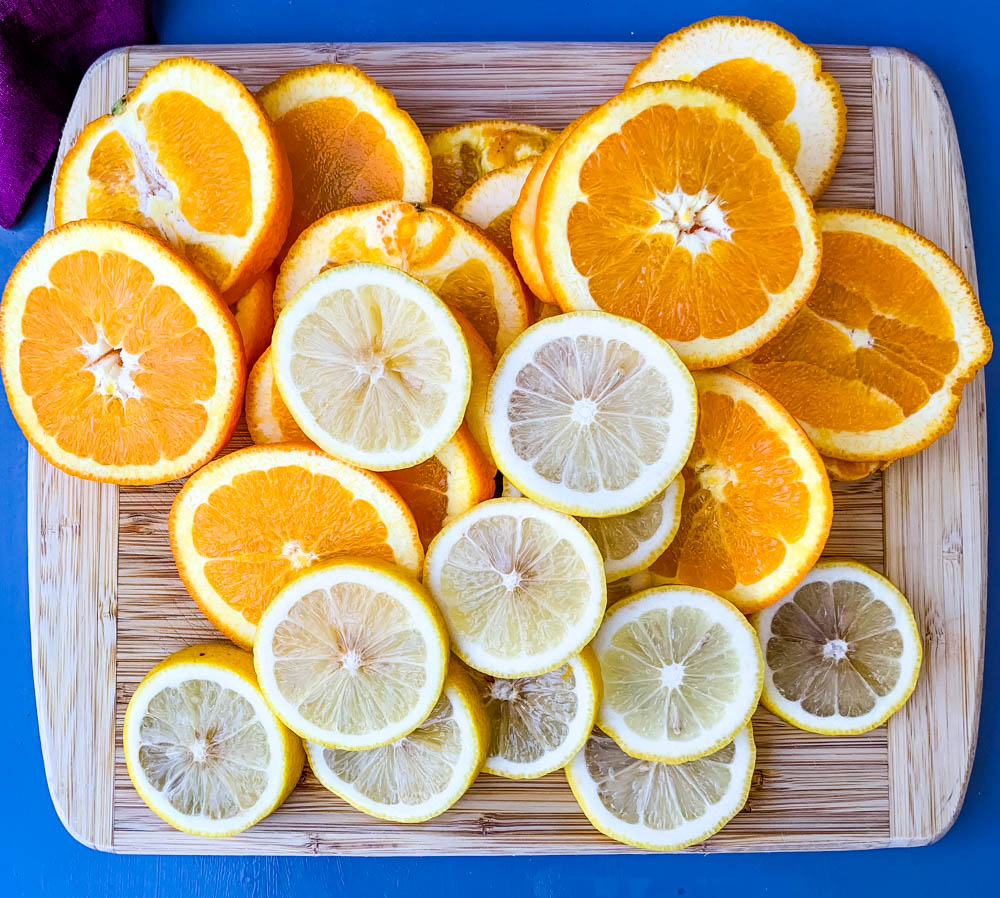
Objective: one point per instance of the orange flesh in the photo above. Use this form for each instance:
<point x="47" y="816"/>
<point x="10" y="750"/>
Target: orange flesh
<point x="112" y="193"/>
<point x="637" y="271"/>
<point x="112" y="297"/>
<point x="424" y="489"/>
<point x="499" y="232"/>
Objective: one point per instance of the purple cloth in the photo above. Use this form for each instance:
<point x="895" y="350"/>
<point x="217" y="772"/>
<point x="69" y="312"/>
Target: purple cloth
<point x="45" y="47"/>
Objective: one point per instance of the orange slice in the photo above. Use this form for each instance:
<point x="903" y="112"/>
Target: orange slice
<point x="119" y="361"/>
<point x="489" y="202"/>
<point x="847" y="471"/>
<point x="254" y="314"/>
<point x="670" y="205"/>
<point x="347" y="142"/>
<point x="873" y="366"/>
<point x="190" y="157"/>
<point x="245" y="525"/>
<point x="447" y="254"/>
<point x="757" y="505"/>
<point x="463" y="153"/>
<point x="779" y="80"/>
<point x="268" y="418"/>
<point x="483" y="365"/>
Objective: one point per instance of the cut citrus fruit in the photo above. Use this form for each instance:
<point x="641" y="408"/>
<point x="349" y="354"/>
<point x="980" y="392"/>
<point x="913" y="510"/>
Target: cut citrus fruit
<point x="873" y="366"/>
<point x="351" y="654"/>
<point x="372" y="366"/>
<point x="591" y="414"/>
<point x="244" y="526"/>
<point x="449" y="255"/>
<point x="489" y="202"/>
<point x="254" y="314"/>
<point x="842" y="652"/>
<point x="347" y="142"/>
<point x="539" y="723"/>
<point x="268" y="418"/>
<point x="119" y="361"/>
<point x="846" y="471"/>
<point x="190" y="157"/>
<point x="670" y="205"/>
<point x="682" y="673"/>
<point x="421" y="775"/>
<point x="204" y="751"/>
<point x="463" y="153"/>
<point x="661" y="807"/>
<point x="521" y="586"/>
<point x="757" y="504"/>
<point x="779" y="80"/>
<point x="483" y="366"/>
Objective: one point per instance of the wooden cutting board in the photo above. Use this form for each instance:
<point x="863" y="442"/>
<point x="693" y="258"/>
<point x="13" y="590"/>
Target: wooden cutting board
<point x="106" y="601"/>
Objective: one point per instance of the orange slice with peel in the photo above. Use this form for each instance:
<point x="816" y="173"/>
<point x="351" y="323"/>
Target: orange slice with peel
<point x="268" y="418"/>
<point x="190" y="157"/>
<point x="847" y="471"/>
<point x="483" y="365"/>
<point x="779" y="80"/>
<point x="244" y="526"/>
<point x="119" y="361"/>
<point x="670" y="205"/>
<point x="757" y="506"/>
<point x="489" y="202"/>
<point x="254" y="314"/>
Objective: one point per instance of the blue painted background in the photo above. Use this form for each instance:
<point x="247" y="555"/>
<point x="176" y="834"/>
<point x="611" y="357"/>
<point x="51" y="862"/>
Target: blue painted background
<point x="37" y="857"/>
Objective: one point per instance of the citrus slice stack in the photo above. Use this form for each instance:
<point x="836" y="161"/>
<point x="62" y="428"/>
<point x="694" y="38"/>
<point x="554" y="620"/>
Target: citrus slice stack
<point x="202" y="748"/>
<point x="268" y="418"/>
<point x="351" y="654"/>
<point x="670" y="205"/>
<point x="842" y="652"/>
<point x="119" y="361"/>
<point x="246" y="524"/>
<point x="873" y="366"/>
<point x="441" y="250"/>
<point x="372" y="366"/>
<point x="773" y="75"/>
<point x="757" y="504"/>
<point x="190" y="157"/>
<point x="421" y="775"/>
<point x="254" y="314"/>
<point x="347" y="142"/>
<point x="591" y="414"/>
<point x="490" y="202"/>
<point x="463" y="153"/>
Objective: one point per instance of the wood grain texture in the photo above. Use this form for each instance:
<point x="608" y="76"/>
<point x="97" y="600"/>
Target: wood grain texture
<point x="809" y="792"/>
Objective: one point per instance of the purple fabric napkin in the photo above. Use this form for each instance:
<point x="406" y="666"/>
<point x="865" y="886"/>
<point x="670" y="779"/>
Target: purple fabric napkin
<point x="45" y="47"/>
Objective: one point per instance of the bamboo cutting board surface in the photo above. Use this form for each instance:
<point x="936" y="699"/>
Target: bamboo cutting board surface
<point x="107" y="604"/>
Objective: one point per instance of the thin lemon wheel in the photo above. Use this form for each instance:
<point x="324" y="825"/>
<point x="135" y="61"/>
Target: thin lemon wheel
<point x="421" y="775"/>
<point x="661" y="807"/>
<point x="842" y="652"/>
<point x="591" y="414"/>
<point x="521" y="586"/>
<point x="351" y="654"/>
<point x="203" y="749"/>
<point x="372" y="366"/>
<point x="682" y="673"/>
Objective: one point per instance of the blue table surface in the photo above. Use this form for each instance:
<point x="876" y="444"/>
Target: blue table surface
<point x="38" y="857"/>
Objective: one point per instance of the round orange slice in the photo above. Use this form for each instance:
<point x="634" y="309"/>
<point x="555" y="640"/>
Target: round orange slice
<point x="490" y="202"/>
<point x="757" y="505"/>
<point x="779" y="80"/>
<point x="347" y="142"/>
<point x="873" y="366"/>
<point x="268" y="418"/>
<point x="190" y="157"/>
<point x="463" y="153"/>
<point x="245" y="525"/>
<point x="119" y="361"/>
<point x="456" y="260"/>
<point x="254" y="314"/>
<point x="670" y="205"/>
<point x="848" y="471"/>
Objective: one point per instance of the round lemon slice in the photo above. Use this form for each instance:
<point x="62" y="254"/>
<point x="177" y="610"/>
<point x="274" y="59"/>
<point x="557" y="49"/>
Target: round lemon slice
<point x="661" y="807"/>
<point x="421" y="775"/>
<point x="202" y="747"/>
<point x="521" y="586"/>
<point x="351" y="654"/>
<point x="682" y="673"/>
<point x="842" y="652"/>
<point x="591" y="414"/>
<point x="372" y="366"/>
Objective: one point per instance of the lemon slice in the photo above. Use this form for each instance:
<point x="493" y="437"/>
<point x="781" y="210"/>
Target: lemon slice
<point x="372" y="366"/>
<point x="421" y="775"/>
<point x="842" y="652"/>
<point x="351" y="654"/>
<point x="661" y="807"/>
<point x="202" y="747"/>
<point x="682" y="673"/>
<point x="591" y="414"/>
<point x="521" y="586"/>
<point x="539" y="723"/>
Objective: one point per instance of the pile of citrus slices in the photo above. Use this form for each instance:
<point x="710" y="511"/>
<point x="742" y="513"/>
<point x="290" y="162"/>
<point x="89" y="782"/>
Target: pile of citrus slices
<point x="641" y="321"/>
